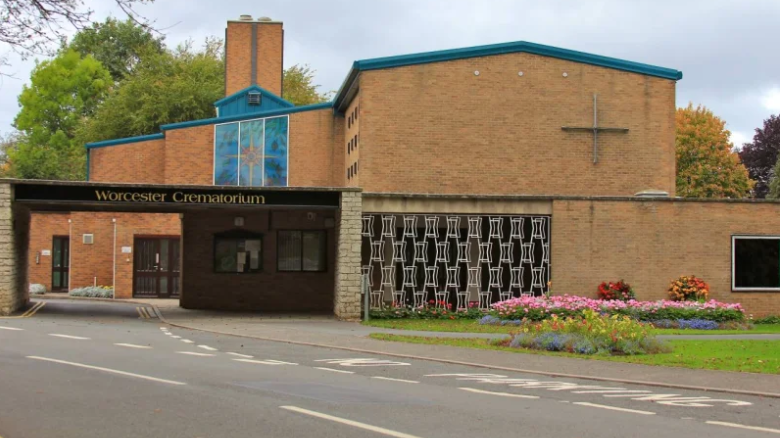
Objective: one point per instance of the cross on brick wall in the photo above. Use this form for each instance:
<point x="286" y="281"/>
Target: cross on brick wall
<point x="595" y="129"/>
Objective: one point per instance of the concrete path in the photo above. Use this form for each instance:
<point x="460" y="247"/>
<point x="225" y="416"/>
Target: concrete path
<point x="352" y="336"/>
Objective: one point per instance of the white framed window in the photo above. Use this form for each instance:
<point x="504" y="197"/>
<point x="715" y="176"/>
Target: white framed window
<point x="755" y="263"/>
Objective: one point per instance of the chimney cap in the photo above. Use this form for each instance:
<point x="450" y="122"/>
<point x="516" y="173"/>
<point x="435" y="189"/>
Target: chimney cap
<point x="245" y="17"/>
<point x="652" y="194"/>
<point x="265" y="19"/>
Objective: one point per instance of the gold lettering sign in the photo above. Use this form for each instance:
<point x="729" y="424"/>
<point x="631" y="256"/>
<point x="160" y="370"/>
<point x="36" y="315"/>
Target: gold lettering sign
<point x="180" y="197"/>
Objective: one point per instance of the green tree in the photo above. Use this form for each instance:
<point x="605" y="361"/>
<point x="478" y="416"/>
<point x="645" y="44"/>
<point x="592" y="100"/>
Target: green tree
<point x="168" y="87"/>
<point x="118" y="45"/>
<point x="299" y="87"/>
<point x="707" y="167"/>
<point x="62" y="93"/>
<point x="774" y="182"/>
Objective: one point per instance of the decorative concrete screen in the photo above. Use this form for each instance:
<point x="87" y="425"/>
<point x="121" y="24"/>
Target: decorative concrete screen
<point x="252" y="153"/>
<point x="454" y="259"/>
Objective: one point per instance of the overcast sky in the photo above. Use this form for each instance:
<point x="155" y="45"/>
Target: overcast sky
<point x="726" y="49"/>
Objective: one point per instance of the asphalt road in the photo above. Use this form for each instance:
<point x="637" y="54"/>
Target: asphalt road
<point x="78" y="369"/>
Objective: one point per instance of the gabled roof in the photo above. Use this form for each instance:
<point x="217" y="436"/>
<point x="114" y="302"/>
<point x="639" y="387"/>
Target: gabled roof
<point x="345" y="93"/>
<point x="236" y="103"/>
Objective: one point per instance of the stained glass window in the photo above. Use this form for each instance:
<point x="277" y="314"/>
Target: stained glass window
<point x="253" y="153"/>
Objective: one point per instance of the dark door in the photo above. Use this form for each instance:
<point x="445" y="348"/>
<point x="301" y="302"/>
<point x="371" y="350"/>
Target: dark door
<point x="60" y="258"/>
<point x="156" y="268"/>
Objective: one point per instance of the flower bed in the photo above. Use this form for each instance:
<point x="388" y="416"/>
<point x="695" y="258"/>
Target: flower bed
<point x="540" y="308"/>
<point x="589" y="333"/>
<point x="93" y="292"/>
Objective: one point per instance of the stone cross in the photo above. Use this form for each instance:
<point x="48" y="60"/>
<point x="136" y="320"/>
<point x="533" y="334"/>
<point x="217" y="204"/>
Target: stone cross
<point x="595" y="129"/>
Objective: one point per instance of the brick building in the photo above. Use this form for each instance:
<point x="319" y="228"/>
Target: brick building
<point x="476" y="174"/>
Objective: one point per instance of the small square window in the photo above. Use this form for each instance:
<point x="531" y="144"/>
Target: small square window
<point x="238" y="254"/>
<point x="301" y="251"/>
<point x="755" y="263"/>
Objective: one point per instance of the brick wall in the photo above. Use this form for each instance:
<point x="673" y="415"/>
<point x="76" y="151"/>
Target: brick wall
<point x="189" y="156"/>
<point x="140" y="162"/>
<point x="313" y="157"/>
<point x="268" y="290"/>
<point x="238" y="55"/>
<point x="439" y="128"/>
<point x="44" y="226"/>
<point x="649" y="243"/>
<point x="352" y="143"/>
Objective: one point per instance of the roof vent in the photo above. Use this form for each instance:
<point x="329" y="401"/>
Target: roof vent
<point x="265" y="19"/>
<point x="254" y="98"/>
<point x="652" y="194"/>
<point x="245" y="17"/>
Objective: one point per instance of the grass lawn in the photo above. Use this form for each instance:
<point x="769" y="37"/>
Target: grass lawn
<point x="472" y="326"/>
<point x="729" y="355"/>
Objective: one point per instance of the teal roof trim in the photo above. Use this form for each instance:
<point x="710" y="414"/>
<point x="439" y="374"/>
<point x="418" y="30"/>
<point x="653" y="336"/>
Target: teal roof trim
<point x="499" y="49"/>
<point x="127" y="140"/>
<point x="238" y="118"/>
<point x="266" y="95"/>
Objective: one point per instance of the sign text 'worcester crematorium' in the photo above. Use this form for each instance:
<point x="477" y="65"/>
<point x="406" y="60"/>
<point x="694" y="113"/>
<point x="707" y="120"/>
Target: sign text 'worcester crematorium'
<point x="165" y="195"/>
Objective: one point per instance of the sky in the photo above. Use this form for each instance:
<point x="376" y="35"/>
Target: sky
<point x="726" y="49"/>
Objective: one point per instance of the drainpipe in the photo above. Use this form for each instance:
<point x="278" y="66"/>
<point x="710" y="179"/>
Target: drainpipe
<point x="113" y="279"/>
<point x="70" y="252"/>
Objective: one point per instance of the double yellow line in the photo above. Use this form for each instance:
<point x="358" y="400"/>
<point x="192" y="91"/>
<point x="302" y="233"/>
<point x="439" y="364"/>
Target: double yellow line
<point x="144" y="313"/>
<point x="30" y="312"/>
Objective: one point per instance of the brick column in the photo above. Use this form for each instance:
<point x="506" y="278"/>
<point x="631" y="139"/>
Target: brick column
<point x="14" y="236"/>
<point x="346" y="300"/>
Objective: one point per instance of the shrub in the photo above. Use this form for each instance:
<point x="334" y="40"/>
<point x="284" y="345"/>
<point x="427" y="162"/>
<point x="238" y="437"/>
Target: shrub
<point x="619" y="290"/>
<point x="428" y="311"/>
<point x="93" y="292"/>
<point x="688" y="288"/>
<point x="695" y="324"/>
<point x="774" y="319"/>
<point x="37" y="289"/>
<point x="590" y="333"/>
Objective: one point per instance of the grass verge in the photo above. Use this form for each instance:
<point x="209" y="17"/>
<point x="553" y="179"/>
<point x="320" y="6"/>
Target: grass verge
<point x="727" y="355"/>
<point x="472" y="326"/>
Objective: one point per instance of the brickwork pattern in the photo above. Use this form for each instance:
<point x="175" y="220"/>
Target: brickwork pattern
<point x="14" y="232"/>
<point x="270" y="41"/>
<point x="238" y="53"/>
<point x="267" y="291"/>
<point x="313" y="135"/>
<point x="189" y="156"/>
<point x="352" y="143"/>
<point x="650" y="243"/>
<point x="439" y="128"/>
<point x="43" y="227"/>
<point x="140" y="162"/>
<point x="347" y="301"/>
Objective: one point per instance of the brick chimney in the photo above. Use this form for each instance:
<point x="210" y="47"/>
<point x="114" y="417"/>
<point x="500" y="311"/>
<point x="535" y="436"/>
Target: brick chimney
<point x="253" y="54"/>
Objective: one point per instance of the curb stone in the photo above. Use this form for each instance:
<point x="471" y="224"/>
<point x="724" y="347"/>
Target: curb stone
<point x="479" y="365"/>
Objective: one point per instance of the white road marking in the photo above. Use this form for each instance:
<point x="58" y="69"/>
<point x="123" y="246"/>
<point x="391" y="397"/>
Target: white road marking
<point x="80" y="338"/>
<point x="361" y="362"/>
<point x="614" y="408"/>
<point x="352" y="423"/>
<point x="206" y="347"/>
<point x="265" y="362"/>
<point x="394" y="380"/>
<point x="133" y="346"/>
<point x="501" y="394"/>
<point x="187" y="341"/>
<point x="742" y="426"/>
<point x="107" y="370"/>
<point x="164" y="328"/>
<point x="176" y="337"/>
<point x="10" y="328"/>
<point x="168" y="334"/>
<point x="245" y="356"/>
<point x="334" y="370"/>
<point x="195" y="353"/>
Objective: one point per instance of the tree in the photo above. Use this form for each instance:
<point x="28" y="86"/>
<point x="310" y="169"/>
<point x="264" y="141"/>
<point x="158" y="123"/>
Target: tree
<point x="298" y="87"/>
<point x="774" y="183"/>
<point x="761" y="155"/>
<point x="118" y="45"/>
<point x="168" y="87"/>
<point x="62" y="93"/>
<point x="38" y="26"/>
<point x="707" y="167"/>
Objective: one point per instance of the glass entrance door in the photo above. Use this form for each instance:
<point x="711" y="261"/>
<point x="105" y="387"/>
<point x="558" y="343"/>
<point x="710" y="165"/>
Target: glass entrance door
<point x="60" y="257"/>
<point x="156" y="268"/>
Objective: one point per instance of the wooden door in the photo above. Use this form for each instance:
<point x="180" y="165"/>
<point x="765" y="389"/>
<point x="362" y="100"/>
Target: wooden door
<point x="156" y="268"/>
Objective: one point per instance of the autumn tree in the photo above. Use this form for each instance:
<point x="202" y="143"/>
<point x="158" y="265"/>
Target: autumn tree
<point x="707" y="167"/>
<point x="760" y="155"/>
<point x="118" y="45"/>
<point x="299" y="87"/>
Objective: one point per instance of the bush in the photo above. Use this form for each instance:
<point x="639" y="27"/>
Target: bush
<point x="774" y="319"/>
<point x="695" y="324"/>
<point x="93" y="292"/>
<point x="428" y="311"/>
<point x="37" y="289"/>
<point x="589" y="334"/>
<point x="688" y="288"/>
<point x="619" y="290"/>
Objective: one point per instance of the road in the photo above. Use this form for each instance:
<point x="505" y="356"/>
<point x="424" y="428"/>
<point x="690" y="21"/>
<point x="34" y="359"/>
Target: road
<point x="77" y="369"/>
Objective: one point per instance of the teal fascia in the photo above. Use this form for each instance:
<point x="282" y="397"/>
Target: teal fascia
<point x="237" y="103"/>
<point x="127" y="140"/>
<point x="263" y="91"/>
<point x="500" y="49"/>
<point x="238" y="118"/>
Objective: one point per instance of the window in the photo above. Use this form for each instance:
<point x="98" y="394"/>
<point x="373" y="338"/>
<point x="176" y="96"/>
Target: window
<point x="238" y="253"/>
<point x="252" y="153"/>
<point x="301" y="251"/>
<point x="755" y="263"/>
